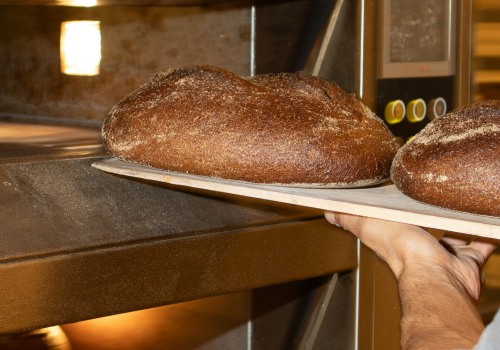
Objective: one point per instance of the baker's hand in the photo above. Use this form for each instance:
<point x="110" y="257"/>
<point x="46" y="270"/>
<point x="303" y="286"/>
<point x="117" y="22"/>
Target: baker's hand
<point x="439" y="281"/>
<point x="403" y="245"/>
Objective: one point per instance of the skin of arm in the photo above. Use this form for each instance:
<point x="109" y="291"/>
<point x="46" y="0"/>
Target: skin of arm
<point x="439" y="281"/>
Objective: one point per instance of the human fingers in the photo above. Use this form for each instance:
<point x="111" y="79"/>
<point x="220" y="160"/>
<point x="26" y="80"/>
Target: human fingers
<point x="455" y="241"/>
<point x="362" y="227"/>
<point x="483" y="248"/>
<point x="373" y="231"/>
<point x="392" y="241"/>
<point x="467" y="260"/>
<point x="478" y="249"/>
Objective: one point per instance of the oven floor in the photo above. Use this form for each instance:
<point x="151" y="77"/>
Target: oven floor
<point x="21" y="142"/>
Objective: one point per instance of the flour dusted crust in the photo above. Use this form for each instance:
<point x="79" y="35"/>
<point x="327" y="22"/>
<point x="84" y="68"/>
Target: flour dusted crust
<point x="454" y="162"/>
<point x="287" y="129"/>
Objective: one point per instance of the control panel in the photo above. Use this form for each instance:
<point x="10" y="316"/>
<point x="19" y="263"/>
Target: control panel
<point x="407" y="105"/>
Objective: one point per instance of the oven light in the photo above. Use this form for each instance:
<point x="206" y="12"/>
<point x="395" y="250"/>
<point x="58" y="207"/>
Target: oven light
<point x="78" y="3"/>
<point x="80" y="47"/>
<point x="84" y="3"/>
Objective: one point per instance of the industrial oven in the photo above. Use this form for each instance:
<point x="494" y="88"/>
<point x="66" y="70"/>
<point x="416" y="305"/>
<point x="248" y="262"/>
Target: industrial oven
<point x="78" y="244"/>
<point x="411" y="61"/>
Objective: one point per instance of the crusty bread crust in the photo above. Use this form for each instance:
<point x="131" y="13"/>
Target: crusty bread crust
<point x="454" y="162"/>
<point x="288" y="129"/>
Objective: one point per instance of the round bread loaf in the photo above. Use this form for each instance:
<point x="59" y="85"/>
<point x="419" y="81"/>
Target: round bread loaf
<point x="284" y="129"/>
<point x="454" y="162"/>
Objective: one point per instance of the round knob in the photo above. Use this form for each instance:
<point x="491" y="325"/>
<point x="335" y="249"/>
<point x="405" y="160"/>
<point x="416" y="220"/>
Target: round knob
<point x="395" y="112"/>
<point x="437" y="107"/>
<point x="416" y="110"/>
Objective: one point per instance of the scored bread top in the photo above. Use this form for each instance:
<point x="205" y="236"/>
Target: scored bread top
<point x="454" y="162"/>
<point x="287" y="128"/>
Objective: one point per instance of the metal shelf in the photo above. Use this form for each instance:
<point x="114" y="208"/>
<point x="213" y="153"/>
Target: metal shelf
<point x="77" y="243"/>
<point x="77" y="3"/>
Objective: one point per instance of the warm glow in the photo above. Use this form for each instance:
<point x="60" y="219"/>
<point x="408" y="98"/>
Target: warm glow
<point x="80" y="47"/>
<point x="82" y="3"/>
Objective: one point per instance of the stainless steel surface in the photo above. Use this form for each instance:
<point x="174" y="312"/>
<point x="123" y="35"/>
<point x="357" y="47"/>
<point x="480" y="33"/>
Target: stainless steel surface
<point x="315" y="316"/>
<point x="417" y="59"/>
<point x="80" y="3"/>
<point x="283" y="31"/>
<point x="274" y="328"/>
<point x="344" y="50"/>
<point x="215" y="323"/>
<point x="136" y="42"/>
<point x="335" y="53"/>
<point x="367" y="33"/>
<point x="267" y="318"/>
<point x="379" y="311"/>
<point x="77" y="243"/>
<point x="24" y="142"/>
<point x="314" y="66"/>
<point x="463" y="85"/>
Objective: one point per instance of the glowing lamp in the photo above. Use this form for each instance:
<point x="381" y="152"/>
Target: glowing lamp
<point x="80" y="47"/>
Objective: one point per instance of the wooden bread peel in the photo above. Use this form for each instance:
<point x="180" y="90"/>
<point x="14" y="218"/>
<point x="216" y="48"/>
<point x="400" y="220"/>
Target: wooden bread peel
<point x="383" y="202"/>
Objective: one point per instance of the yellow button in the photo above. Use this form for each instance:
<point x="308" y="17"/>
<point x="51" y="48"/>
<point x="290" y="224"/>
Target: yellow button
<point x="394" y="112"/>
<point x="437" y="107"/>
<point x="416" y="110"/>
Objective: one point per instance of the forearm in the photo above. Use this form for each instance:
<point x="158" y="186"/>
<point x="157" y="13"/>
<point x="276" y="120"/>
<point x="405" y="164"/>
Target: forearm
<point x="437" y="312"/>
<point x="439" y="281"/>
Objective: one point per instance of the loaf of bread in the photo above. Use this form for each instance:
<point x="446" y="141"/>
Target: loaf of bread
<point x="454" y="162"/>
<point x="284" y="129"/>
